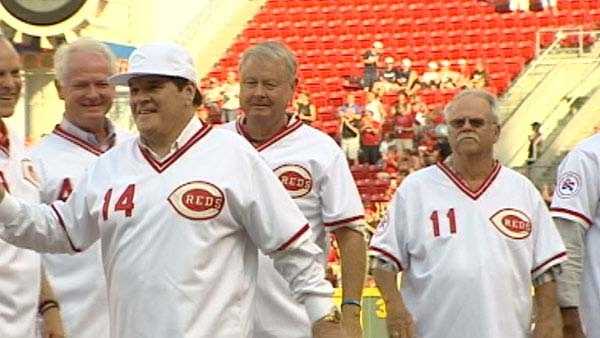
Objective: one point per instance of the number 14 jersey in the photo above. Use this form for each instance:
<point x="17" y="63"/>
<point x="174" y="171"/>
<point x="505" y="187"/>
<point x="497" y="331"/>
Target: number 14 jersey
<point x="468" y="257"/>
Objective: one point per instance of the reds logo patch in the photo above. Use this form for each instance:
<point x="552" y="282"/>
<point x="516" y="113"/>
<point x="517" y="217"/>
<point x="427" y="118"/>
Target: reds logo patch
<point x="568" y="185"/>
<point x="295" y="178"/>
<point x="197" y="200"/>
<point x="512" y="223"/>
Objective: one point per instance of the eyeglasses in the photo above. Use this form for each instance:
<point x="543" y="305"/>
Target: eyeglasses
<point x="475" y="122"/>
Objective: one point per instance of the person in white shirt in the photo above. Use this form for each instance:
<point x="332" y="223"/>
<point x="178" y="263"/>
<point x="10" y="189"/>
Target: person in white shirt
<point x="82" y="71"/>
<point x="471" y="238"/>
<point x="181" y="211"/>
<point x="314" y="171"/>
<point x="231" y="98"/>
<point x="24" y="289"/>
<point x="575" y="207"/>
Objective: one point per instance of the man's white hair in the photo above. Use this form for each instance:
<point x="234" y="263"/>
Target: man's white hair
<point x="480" y="93"/>
<point x="63" y="54"/>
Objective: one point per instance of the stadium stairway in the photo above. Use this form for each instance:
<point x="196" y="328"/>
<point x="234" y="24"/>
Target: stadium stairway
<point x="552" y="83"/>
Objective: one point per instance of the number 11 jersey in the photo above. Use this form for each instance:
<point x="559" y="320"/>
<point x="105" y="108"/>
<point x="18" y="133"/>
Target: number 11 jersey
<point x="468" y="257"/>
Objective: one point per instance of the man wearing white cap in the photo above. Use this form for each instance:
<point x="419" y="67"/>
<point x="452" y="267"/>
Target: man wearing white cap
<point x="181" y="211"/>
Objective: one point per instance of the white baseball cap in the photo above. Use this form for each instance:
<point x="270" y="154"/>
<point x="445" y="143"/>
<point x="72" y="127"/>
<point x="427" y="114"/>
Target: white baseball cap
<point x="158" y="58"/>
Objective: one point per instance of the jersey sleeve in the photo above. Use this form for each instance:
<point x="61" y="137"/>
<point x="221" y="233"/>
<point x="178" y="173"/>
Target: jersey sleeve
<point x="340" y="200"/>
<point x="577" y="189"/>
<point x="270" y="217"/>
<point x="549" y="249"/>
<point x="390" y="240"/>
<point x="62" y="227"/>
<point x="279" y="229"/>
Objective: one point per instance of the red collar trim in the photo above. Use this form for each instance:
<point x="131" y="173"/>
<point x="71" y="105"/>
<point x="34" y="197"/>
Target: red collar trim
<point x="291" y="127"/>
<point x="4" y="140"/>
<point x="78" y="141"/>
<point x="473" y="194"/>
<point x="161" y="166"/>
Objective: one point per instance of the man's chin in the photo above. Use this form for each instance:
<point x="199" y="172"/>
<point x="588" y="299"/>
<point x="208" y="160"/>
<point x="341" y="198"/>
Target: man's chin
<point x="6" y="112"/>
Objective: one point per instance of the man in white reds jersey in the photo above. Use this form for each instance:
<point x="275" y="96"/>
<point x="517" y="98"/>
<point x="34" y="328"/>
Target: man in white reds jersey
<point x="180" y="211"/>
<point x="576" y="210"/>
<point x="471" y="238"/>
<point x="314" y="171"/>
<point x="82" y="70"/>
<point x="24" y="290"/>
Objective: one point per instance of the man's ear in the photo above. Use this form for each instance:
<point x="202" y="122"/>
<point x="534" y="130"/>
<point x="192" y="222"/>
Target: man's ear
<point x="59" y="89"/>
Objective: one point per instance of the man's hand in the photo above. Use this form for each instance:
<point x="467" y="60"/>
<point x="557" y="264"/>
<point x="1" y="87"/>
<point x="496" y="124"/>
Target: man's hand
<point x="327" y="329"/>
<point x="52" y="327"/>
<point x="351" y="321"/>
<point x="400" y="324"/>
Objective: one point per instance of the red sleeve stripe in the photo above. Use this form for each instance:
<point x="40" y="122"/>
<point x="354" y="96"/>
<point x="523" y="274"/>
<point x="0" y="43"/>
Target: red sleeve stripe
<point x="548" y="261"/>
<point x="388" y="255"/>
<point x="294" y="238"/>
<point x="62" y="224"/>
<point x="573" y="213"/>
<point x="343" y="221"/>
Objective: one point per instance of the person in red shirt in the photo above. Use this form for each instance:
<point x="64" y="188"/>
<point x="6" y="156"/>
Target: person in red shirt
<point x="370" y="136"/>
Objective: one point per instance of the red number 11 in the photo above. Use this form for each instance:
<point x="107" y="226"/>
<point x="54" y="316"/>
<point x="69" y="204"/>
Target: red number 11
<point x="436" y="222"/>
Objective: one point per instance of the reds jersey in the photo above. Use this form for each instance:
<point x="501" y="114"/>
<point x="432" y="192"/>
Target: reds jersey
<point x="77" y="281"/>
<point x="468" y="256"/>
<point x="576" y="198"/>
<point x="179" y="235"/>
<point x="314" y="171"/>
<point x="19" y="268"/>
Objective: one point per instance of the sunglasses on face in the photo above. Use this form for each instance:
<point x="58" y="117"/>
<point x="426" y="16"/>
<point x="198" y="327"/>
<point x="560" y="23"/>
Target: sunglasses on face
<point x="475" y="122"/>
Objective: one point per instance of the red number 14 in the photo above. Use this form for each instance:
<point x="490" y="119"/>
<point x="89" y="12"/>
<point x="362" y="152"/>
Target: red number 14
<point x="124" y="203"/>
<point x="436" y="222"/>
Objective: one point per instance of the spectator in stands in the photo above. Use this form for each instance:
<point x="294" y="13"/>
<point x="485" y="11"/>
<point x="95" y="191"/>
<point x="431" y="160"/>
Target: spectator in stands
<point x="401" y="105"/>
<point x="448" y="78"/>
<point x="370" y="137"/>
<point x="420" y="110"/>
<point x="303" y="106"/>
<point x="376" y="108"/>
<point x="405" y="124"/>
<point x="390" y="160"/>
<point x="535" y="143"/>
<point x="349" y="114"/>
<point x="431" y="78"/>
<point x="464" y="75"/>
<point x="386" y="142"/>
<point x="388" y="79"/>
<point x="370" y="60"/>
<point x="213" y="96"/>
<point x="230" y="92"/>
<point x="479" y="78"/>
<point x="408" y="77"/>
<point x="519" y="5"/>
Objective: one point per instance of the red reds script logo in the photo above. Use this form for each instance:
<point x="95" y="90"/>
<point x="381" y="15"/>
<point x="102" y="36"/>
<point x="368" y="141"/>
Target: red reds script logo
<point x="296" y="180"/>
<point x="568" y="185"/>
<point x="197" y="200"/>
<point x="512" y="223"/>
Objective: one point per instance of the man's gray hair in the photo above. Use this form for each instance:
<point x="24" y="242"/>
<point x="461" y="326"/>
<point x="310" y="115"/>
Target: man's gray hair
<point x="272" y="50"/>
<point x="480" y="93"/>
<point x="62" y="56"/>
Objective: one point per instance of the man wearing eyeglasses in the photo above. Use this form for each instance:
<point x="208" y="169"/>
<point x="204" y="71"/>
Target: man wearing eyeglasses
<point x="471" y="237"/>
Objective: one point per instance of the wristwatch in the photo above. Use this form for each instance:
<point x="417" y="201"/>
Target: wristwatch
<point x="333" y="316"/>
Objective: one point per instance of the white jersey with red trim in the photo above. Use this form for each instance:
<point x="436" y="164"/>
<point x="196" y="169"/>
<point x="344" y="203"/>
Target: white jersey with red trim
<point x="315" y="172"/>
<point x="19" y="268"/>
<point x="179" y="236"/>
<point x="78" y="281"/>
<point x="468" y="257"/>
<point x="576" y="198"/>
